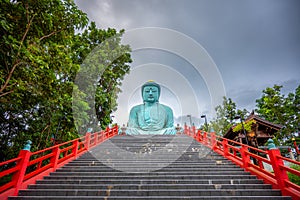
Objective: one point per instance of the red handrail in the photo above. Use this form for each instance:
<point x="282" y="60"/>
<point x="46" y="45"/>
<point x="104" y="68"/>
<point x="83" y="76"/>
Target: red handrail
<point x="242" y="155"/>
<point x="30" y="166"/>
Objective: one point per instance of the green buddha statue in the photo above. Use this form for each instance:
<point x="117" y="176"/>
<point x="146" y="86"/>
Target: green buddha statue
<point x="151" y="117"/>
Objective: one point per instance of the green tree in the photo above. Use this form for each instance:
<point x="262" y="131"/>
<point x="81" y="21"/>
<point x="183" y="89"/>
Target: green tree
<point x="41" y="53"/>
<point x="101" y="73"/>
<point x="292" y="107"/>
<point x="271" y="104"/>
<point x="276" y="108"/>
<point x="225" y="116"/>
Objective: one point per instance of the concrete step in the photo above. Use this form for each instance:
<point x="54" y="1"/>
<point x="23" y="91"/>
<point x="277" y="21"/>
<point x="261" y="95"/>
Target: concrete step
<point x="145" y="161"/>
<point x="150" y="197"/>
<point x="157" y="173"/>
<point x="176" y="169"/>
<point x="147" y="177"/>
<point x="154" y="192"/>
<point x="197" y="173"/>
<point x="153" y="181"/>
<point x="123" y="186"/>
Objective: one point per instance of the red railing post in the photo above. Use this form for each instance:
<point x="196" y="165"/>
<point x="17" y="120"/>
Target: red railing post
<point x="102" y="136"/>
<point x="185" y="129"/>
<point x="198" y="135"/>
<point x="280" y="174"/>
<point x="245" y="156"/>
<point x="205" y="137"/>
<point x="213" y="140"/>
<point x="114" y="131"/>
<point x="18" y="177"/>
<point x="201" y="136"/>
<point x="107" y="132"/>
<point x="225" y="148"/>
<point x="75" y="148"/>
<point x="96" y="138"/>
<point x="194" y="131"/>
<point x="87" y="140"/>
<point x="55" y="157"/>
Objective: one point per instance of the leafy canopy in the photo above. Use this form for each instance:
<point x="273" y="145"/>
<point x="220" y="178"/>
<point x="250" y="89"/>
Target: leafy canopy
<point x="41" y="54"/>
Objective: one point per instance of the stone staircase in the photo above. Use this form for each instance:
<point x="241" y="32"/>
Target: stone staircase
<point x="150" y="167"/>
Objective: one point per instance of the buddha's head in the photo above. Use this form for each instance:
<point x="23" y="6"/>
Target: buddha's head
<point x="150" y="92"/>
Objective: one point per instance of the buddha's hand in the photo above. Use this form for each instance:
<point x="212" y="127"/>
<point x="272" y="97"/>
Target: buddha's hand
<point x="170" y="131"/>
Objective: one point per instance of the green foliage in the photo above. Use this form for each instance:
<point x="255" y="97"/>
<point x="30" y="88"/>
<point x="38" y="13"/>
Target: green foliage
<point x="292" y="177"/>
<point x="226" y="114"/>
<point x="280" y="109"/>
<point x="247" y="126"/>
<point x="273" y="106"/>
<point x="101" y="74"/>
<point x="41" y="53"/>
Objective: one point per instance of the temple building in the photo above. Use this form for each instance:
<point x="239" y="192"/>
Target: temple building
<point x="261" y="131"/>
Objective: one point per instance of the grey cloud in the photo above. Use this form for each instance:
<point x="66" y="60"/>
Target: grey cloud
<point x="255" y="44"/>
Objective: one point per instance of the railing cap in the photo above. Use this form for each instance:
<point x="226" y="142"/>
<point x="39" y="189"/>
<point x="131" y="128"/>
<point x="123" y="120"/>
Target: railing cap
<point x="271" y="144"/>
<point x="89" y="130"/>
<point x="27" y="145"/>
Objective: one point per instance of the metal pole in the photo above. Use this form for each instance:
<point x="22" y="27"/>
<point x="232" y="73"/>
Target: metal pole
<point x="205" y="122"/>
<point x="189" y="116"/>
<point x="244" y="131"/>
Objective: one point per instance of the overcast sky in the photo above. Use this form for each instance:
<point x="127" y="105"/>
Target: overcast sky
<point x="253" y="44"/>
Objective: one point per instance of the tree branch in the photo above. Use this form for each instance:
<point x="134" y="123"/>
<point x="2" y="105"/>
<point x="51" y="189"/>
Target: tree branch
<point x="17" y="62"/>
<point x="50" y="34"/>
<point x="6" y="93"/>
<point x="25" y="34"/>
<point x="9" y="77"/>
<point x="41" y="134"/>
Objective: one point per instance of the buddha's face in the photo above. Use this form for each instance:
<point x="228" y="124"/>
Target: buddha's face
<point x="150" y="94"/>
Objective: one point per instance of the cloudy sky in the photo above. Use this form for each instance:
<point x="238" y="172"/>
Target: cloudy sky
<point x="235" y="48"/>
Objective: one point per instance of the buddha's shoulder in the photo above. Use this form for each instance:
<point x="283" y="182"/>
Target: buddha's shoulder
<point x="166" y="107"/>
<point x="137" y="107"/>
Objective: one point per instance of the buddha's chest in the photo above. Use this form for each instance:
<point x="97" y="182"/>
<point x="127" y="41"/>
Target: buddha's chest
<point x="152" y="116"/>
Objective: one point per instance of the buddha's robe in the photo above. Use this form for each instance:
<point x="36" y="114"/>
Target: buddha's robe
<point x="153" y="119"/>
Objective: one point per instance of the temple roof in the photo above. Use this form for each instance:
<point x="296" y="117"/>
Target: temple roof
<point x="275" y="127"/>
<point x="264" y="122"/>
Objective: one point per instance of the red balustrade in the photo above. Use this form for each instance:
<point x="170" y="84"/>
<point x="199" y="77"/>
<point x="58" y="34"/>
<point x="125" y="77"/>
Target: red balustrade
<point x="31" y="166"/>
<point x="253" y="160"/>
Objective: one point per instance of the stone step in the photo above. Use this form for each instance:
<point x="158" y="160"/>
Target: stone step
<point x="160" y="158"/>
<point x="148" y="186"/>
<point x="173" y="177"/>
<point x="102" y="161"/>
<point x="156" y="161"/>
<point x="153" y="181"/>
<point x="150" y="197"/>
<point x="197" y="173"/>
<point x="175" y="169"/>
<point x="169" y="168"/>
<point x="172" y="164"/>
<point x="142" y="161"/>
<point x="157" y="173"/>
<point x="143" y="164"/>
<point x="156" y="192"/>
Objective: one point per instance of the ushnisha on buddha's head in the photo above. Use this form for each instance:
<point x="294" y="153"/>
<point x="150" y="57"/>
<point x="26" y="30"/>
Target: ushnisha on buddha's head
<point x="150" y="92"/>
